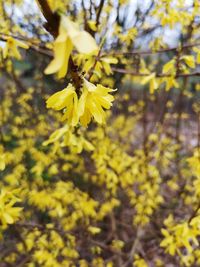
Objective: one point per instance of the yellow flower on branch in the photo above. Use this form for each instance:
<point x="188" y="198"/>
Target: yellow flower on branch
<point x="2" y="162"/>
<point x="8" y="213"/>
<point x="93" y="101"/>
<point x="11" y="48"/>
<point x="66" y="99"/>
<point x="91" y="104"/>
<point x="69" y="36"/>
<point x="152" y="80"/>
<point x="66" y="137"/>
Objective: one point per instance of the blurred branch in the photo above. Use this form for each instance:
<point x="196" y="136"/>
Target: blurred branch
<point x="149" y="52"/>
<point x="133" y="248"/>
<point x="194" y="214"/>
<point x="158" y="75"/>
<point x="107" y="247"/>
<point x="52" y="26"/>
<point x="144" y="16"/>
<point x="45" y="52"/>
<point x="117" y="53"/>
<point x="84" y="15"/>
<point x="53" y="19"/>
<point x="100" y="8"/>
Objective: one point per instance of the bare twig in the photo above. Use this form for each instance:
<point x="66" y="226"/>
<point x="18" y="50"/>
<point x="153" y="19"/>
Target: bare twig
<point x="149" y="52"/>
<point x="158" y="75"/>
<point x="100" y="8"/>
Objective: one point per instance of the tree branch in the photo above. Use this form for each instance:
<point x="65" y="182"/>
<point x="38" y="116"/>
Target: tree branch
<point x="53" y="19"/>
<point x="149" y="52"/>
<point x="158" y="75"/>
<point x="99" y="12"/>
<point x="52" y="26"/>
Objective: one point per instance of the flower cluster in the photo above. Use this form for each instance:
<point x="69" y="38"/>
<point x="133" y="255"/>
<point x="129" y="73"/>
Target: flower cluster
<point x="91" y="104"/>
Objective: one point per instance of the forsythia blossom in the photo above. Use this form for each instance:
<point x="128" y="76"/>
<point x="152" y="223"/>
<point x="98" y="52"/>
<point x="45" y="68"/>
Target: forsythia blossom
<point x="11" y="48"/>
<point x="8" y="213"/>
<point x="76" y="142"/>
<point x="69" y="36"/>
<point x="67" y="99"/>
<point x="92" y="102"/>
<point x="2" y="162"/>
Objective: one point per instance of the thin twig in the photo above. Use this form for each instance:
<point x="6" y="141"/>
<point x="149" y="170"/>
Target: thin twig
<point x="100" y="8"/>
<point x="158" y="75"/>
<point x="149" y="52"/>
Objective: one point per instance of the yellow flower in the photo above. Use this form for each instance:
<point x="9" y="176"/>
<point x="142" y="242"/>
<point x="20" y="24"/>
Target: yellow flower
<point x="8" y="213"/>
<point x="69" y="36"/>
<point x="66" y="99"/>
<point x="76" y="142"/>
<point x="11" y="48"/>
<point x="101" y="67"/>
<point x="56" y="135"/>
<point x="94" y="230"/>
<point x="153" y="83"/>
<point x="92" y="101"/>
<point x="2" y="162"/>
<point x="92" y="25"/>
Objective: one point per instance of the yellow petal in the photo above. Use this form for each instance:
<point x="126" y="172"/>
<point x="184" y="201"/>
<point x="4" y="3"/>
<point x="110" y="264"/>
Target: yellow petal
<point x="57" y="62"/>
<point x="2" y="162"/>
<point x="82" y="40"/>
<point x="97" y="112"/>
<point x="84" y="43"/>
<point x="86" y="117"/>
<point x="60" y="99"/>
<point x="148" y="78"/>
<point x="71" y="113"/>
<point x="82" y="102"/>
<point x="68" y="49"/>
<point x="21" y="44"/>
<point x="8" y="218"/>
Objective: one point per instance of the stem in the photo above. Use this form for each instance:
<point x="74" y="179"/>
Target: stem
<point x="99" y="12"/>
<point x="52" y="26"/>
<point x="158" y="75"/>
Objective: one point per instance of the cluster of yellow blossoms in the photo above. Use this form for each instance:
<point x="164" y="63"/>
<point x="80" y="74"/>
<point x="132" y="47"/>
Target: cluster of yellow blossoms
<point x="79" y="104"/>
<point x="91" y="103"/>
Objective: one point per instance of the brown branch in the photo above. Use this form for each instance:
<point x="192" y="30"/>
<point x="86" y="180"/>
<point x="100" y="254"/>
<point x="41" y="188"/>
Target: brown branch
<point x="84" y="15"/>
<point x="158" y="75"/>
<point x="107" y="247"/>
<point x="91" y="72"/>
<point x="100" y="8"/>
<point x="52" y="26"/>
<point x="53" y="19"/>
<point x="32" y="225"/>
<point x="31" y="41"/>
<point x="39" y="49"/>
<point x="194" y="214"/>
<point x="134" y="247"/>
<point x="149" y="52"/>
